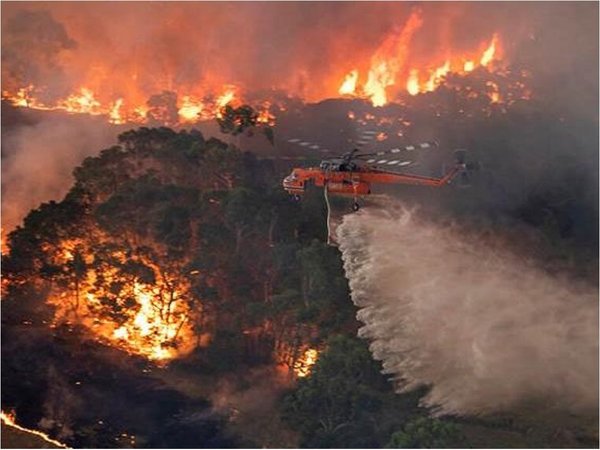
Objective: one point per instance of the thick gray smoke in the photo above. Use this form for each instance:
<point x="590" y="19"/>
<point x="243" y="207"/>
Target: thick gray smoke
<point x="38" y="160"/>
<point x="486" y="329"/>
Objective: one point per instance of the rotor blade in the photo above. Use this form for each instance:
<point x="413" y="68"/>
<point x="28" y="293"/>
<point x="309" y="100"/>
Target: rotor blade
<point x="407" y="148"/>
<point x="307" y="145"/>
<point x="392" y="162"/>
<point x="366" y="137"/>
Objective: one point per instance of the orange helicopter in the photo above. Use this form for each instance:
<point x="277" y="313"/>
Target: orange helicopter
<point x="353" y="173"/>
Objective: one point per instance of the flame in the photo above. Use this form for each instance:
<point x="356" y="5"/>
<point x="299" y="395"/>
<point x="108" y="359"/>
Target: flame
<point x="9" y="419"/>
<point x="391" y="69"/>
<point x="225" y="98"/>
<point x="140" y="113"/>
<point x="303" y="366"/>
<point x="82" y="102"/>
<point x="436" y="76"/>
<point x="264" y="114"/>
<point x="388" y="61"/>
<point x="22" y="96"/>
<point x="348" y="87"/>
<point x="380" y="77"/>
<point x="150" y="320"/>
<point x="412" y="85"/>
<point x="119" y="111"/>
<point x="489" y="53"/>
<point x="115" y="113"/>
<point x="190" y="109"/>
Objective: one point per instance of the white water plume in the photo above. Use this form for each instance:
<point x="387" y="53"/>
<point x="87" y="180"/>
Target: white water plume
<point x="486" y="329"/>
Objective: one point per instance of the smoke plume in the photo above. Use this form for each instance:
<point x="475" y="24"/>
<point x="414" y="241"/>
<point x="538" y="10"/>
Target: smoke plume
<point x="38" y="159"/>
<point x="485" y="328"/>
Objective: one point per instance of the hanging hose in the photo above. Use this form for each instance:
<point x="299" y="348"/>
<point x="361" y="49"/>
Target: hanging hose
<point x="328" y="215"/>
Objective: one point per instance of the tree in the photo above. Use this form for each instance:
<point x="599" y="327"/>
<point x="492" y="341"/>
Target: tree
<point x="163" y="108"/>
<point x="243" y="119"/>
<point x="426" y="432"/>
<point x="346" y="401"/>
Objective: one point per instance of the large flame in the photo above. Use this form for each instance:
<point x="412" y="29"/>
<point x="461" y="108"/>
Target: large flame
<point x="395" y="65"/>
<point x="348" y="87"/>
<point x="389" y="59"/>
<point x="151" y="319"/>
<point x="388" y="62"/>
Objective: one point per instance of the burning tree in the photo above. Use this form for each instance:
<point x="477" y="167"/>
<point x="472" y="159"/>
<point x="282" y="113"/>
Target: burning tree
<point x="164" y="244"/>
<point x="112" y="256"/>
<point x="242" y="119"/>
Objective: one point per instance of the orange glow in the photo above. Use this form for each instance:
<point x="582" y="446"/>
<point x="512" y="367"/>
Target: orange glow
<point x="348" y="87"/>
<point x="9" y="419"/>
<point x="468" y="66"/>
<point x="3" y="246"/>
<point x="303" y="366"/>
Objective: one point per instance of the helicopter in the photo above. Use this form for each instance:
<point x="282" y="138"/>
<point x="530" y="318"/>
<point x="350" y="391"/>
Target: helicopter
<point x="354" y="173"/>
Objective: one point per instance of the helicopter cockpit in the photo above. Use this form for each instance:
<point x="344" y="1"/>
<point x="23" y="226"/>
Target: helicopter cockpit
<point x="338" y="166"/>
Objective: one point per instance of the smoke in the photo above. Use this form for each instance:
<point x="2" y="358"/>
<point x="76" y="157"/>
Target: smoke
<point x="38" y="158"/>
<point x="250" y="402"/>
<point x="32" y="43"/>
<point x="488" y="330"/>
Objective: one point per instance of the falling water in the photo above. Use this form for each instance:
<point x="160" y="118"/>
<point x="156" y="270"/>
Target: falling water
<point x="484" y="328"/>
